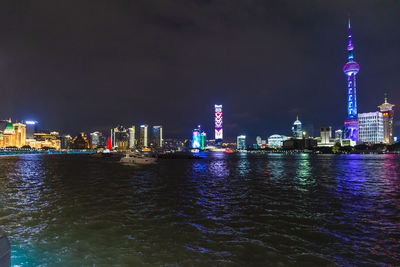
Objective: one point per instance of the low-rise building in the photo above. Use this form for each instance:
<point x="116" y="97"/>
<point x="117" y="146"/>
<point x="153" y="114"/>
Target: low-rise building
<point x="276" y="140"/>
<point x="326" y="137"/>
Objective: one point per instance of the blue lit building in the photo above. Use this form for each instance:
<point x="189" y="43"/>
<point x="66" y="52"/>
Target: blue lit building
<point x="297" y="129"/>
<point x="351" y="68"/>
<point x="196" y="139"/>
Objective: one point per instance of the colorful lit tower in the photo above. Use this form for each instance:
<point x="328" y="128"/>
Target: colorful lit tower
<point x="196" y="139"/>
<point x="387" y="113"/>
<point x="351" y="68"/>
<point x="218" y="124"/>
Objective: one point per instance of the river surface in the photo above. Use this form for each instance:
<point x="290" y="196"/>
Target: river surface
<point x="224" y="209"/>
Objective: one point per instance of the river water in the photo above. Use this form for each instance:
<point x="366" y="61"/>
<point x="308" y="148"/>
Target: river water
<point x="224" y="209"/>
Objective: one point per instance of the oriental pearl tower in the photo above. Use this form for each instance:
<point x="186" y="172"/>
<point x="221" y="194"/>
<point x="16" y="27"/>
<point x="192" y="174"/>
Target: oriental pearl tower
<point x="351" y="69"/>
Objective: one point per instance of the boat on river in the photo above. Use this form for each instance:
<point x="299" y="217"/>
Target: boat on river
<point x="135" y="158"/>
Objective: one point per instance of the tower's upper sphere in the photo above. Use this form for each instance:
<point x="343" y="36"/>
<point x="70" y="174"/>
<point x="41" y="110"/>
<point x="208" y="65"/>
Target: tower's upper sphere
<point x="351" y="68"/>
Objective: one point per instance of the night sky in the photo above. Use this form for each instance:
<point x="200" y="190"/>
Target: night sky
<point x="91" y="65"/>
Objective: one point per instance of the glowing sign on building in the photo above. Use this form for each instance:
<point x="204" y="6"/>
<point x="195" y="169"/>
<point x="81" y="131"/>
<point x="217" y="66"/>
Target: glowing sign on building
<point x="203" y="140"/>
<point x="218" y="122"/>
<point x="196" y="139"/>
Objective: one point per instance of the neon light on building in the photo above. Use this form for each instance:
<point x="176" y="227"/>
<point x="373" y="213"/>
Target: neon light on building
<point x="196" y="139"/>
<point x="351" y="68"/>
<point x="387" y="112"/>
<point x="203" y="140"/>
<point x="218" y="122"/>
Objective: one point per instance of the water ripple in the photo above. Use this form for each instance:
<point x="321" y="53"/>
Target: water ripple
<point x="226" y="209"/>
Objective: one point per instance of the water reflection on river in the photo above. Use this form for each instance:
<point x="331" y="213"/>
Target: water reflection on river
<point x="223" y="209"/>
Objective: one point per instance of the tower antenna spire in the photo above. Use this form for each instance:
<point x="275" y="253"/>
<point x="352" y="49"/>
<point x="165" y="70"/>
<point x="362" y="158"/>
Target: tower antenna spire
<point x="350" y="46"/>
<point x="349" y="21"/>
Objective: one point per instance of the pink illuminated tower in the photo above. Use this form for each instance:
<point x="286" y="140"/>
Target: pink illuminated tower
<point x="218" y="124"/>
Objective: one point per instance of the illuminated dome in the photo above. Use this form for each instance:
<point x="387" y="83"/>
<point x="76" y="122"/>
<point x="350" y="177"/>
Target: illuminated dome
<point x="351" y="68"/>
<point x="297" y="122"/>
<point x="9" y="129"/>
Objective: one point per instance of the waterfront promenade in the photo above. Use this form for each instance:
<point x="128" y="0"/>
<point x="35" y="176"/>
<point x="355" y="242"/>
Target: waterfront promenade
<point x="12" y="152"/>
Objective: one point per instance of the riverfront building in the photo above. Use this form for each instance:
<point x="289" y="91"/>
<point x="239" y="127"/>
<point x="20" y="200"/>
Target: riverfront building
<point x="120" y="138"/>
<point x="66" y="141"/>
<point x="203" y="142"/>
<point x="45" y="140"/>
<point x="326" y="137"/>
<point x="387" y="113"/>
<point x="241" y="142"/>
<point x="132" y="137"/>
<point x="31" y="128"/>
<point x="196" y="139"/>
<point x="276" y="140"/>
<point x="371" y="127"/>
<point x="350" y="69"/>
<point x="8" y="136"/>
<point x="13" y="134"/>
<point x="157" y="136"/>
<point x="80" y="142"/>
<point x="296" y="129"/>
<point x="96" y="140"/>
<point x="143" y="137"/>
<point x="218" y="124"/>
<point x="339" y="136"/>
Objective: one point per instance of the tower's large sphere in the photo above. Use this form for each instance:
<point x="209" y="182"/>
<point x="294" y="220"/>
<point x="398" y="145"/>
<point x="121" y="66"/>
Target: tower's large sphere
<point x="351" y="68"/>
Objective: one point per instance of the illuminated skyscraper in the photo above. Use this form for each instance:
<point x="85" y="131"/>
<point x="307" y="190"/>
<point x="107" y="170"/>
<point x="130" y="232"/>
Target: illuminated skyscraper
<point x="203" y="140"/>
<point x="241" y="142"/>
<point x="387" y="113"/>
<point x="351" y="68"/>
<point x="66" y="141"/>
<point x="132" y="140"/>
<point x="31" y="129"/>
<point x="370" y="127"/>
<point x="143" y="138"/>
<point x="196" y="139"/>
<point x="157" y="136"/>
<point x="297" y="129"/>
<point x="120" y="138"/>
<point x="95" y="139"/>
<point x="218" y="123"/>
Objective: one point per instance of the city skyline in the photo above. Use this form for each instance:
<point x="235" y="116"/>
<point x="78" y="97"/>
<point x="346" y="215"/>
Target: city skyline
<point x="67" y="89"/>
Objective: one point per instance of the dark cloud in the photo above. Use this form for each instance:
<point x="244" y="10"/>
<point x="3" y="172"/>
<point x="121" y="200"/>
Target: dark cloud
<point x="86" y="65"/>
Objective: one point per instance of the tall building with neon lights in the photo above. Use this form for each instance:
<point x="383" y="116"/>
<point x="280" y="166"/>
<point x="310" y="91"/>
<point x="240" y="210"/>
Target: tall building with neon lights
<point x="218" y="123"/>
<point x="196" y="139"/>
<point x="351" y="68"/>
<point x="387" y="112"/>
